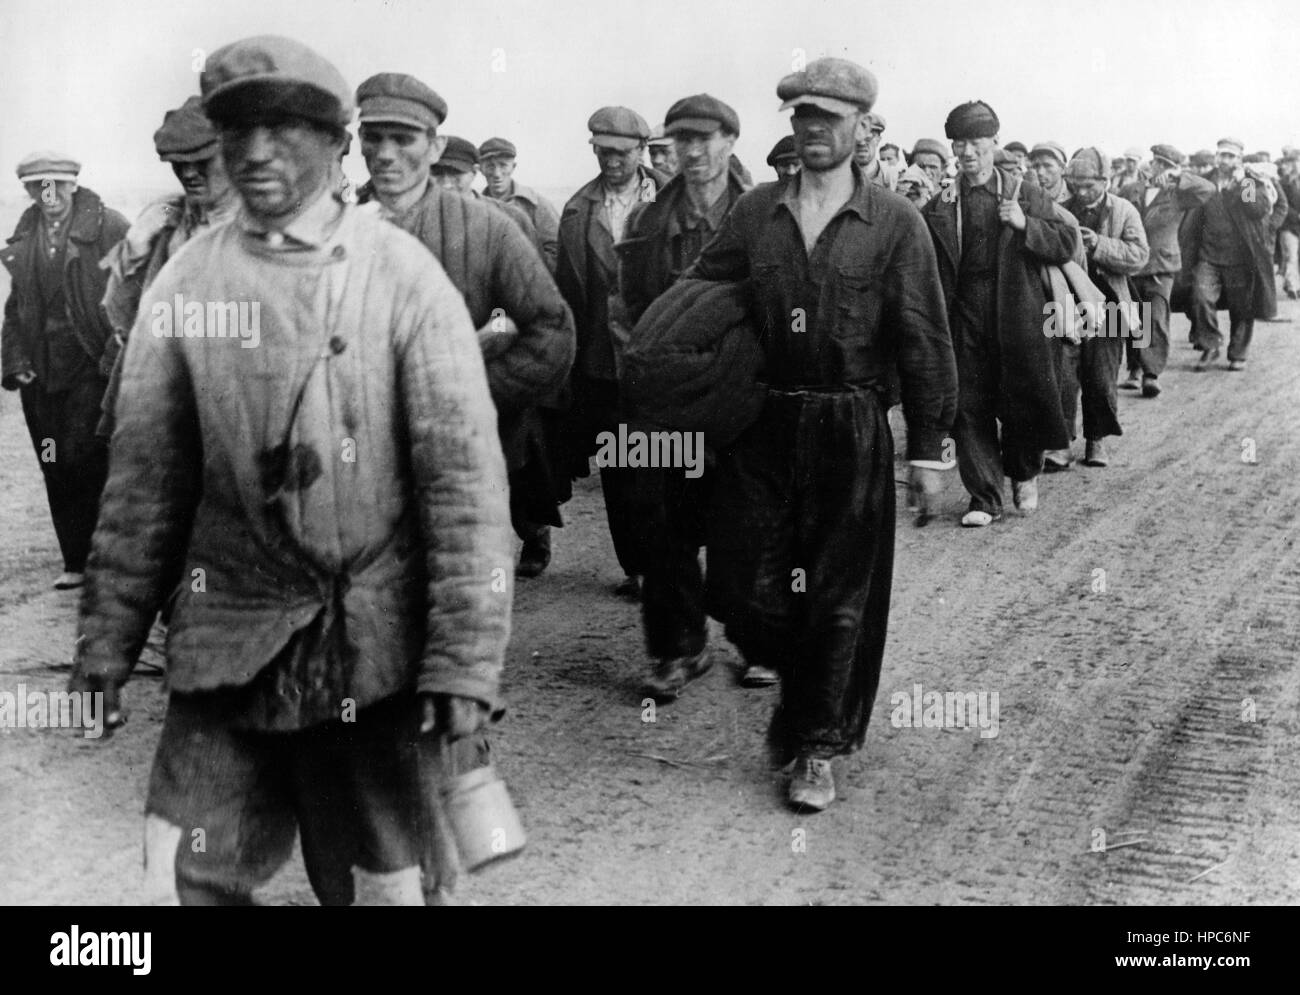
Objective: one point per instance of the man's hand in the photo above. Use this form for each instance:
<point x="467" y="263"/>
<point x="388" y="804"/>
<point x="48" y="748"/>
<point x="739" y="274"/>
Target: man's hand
<point x="1012" y="214"/>
<point x="25" y="378"/>
<point x="924" y="488"/>
<point x="111" y="708"/>
<point x="1089" y="238"/>
<point x="451" y="716"/>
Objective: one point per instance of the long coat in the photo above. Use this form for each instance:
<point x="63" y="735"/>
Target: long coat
<point x="1249" y="211"/>
<point x="1162" y="217"/>
<point x="1121" y="250"/>
<point x="93" y="230"/>
<point x="1029" y="393"/>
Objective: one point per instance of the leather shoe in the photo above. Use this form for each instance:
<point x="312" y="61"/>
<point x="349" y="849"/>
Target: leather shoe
<point x="758" y="676"/>
<point x="1150" y="387"/>
<point x="670" y="675"/>
<point x="812" y="784"/>
<point x="1095" y="454"/>
<point x="1056" y="460"/>
<point x="630" y="588"/>
<point x="1208" y="356"/>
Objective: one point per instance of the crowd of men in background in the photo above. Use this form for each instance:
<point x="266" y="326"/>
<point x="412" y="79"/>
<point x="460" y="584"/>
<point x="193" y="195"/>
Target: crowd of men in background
<point x="434" y="362"/>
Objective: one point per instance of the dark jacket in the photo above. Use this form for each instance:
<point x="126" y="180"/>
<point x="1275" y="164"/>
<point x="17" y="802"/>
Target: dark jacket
<point x="1249" y="211"/>
<point x="541" y="212"/>
<point x="869" y="303"/>
<point x="650" y="258"/>
<point x="490" y="260"/>
<point x="1161" y="218"/>
<point x="587" y="271"/>
<point x="1029" y="395"/>
<point x="93" y="230"/>
<point x="1291" y="189"/>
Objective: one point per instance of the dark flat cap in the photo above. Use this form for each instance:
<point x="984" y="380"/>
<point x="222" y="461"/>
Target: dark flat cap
<point x="1088" y="164"/>
<point x="658" y="139"/>
<point x="398" y="98"/>
<point x="835" y="85"/>
<point x="782" y="151"/>
<point x="269" y="75"/>
<point x="186" y="134"/>
<point x="1168" y="153"/>
<point x="701" y="113"/>
<point x="460" y="155"/>
<point x="1202" y="158"/>
<point x="974" y="119"/>
<point x="46" y="165"/>
<point x="931" y="145"/>
<point x="1016" y="147"/>
<point x="1055" y="149"/>
<point x="617" y="128"/>
<point x="497" y="148"/>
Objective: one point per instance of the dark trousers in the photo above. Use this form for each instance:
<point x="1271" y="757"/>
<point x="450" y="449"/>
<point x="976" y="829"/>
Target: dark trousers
<point x="673" y="510"/>
<point x="74" y="460"/>
<point x="598" y="410"/>
<point x="1237" y="283"/>
<point x="1090" y="369"/>
<point x="1152" y="290"/>
<point x="801" y="558"/>
<point x="984" y="457"/>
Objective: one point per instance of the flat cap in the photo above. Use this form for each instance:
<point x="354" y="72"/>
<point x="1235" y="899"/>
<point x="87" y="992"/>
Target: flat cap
<point x="1202" y="158"/>
<point x="46" y="165"/>
<point x="782" y="151"/>
<point x="1016" y="147"/>
<point x="1168" y="153"/>
<point x="1234" y="145"/>
<point x="1001" y="157"/>
<point x="398" y="98"/>
<point x="1055" y="149"/>
<point x="1134" y="153"/>
<point x="271" y="75"/>
<point x="497" y="148"/>
<point x="835" y="85"/>
<point x="460" y="155"/>
<point x="701" y="113"/>
<point x="931" y="146"/>
<point x="617" y="128"/>
<point x="876" y="122"/>
<point x="186" y="134"/>
<point x="1088" y="164"/>
<point x="974" y="119"/>
<point x="658" y="139"/>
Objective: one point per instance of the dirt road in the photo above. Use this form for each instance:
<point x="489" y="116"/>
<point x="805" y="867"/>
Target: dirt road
<point x="1141" y="632"/>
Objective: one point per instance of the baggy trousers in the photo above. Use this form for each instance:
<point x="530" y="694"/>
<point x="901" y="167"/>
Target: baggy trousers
<point x="1153" y="290"/>
<point x="982" y="457"/>
<point x="1090" y="368"/>
<point x="599" y="411"/>
<point x="1237" y="283"/>
<point x="74" y="460"/>
<point x="673" y="509"/>
<point x="801" y="558"/>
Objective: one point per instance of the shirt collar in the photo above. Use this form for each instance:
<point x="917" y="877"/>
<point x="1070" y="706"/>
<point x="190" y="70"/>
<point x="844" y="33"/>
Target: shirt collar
<point x="309" y="230"/>
<point x="859" y="202"/>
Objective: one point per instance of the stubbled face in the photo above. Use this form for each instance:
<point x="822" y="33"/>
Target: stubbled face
<point x="664" y="158"/>
<point x="866" y="148"/>
<point x="1086" y="190"/>
<point x="278" y="165"/>
<point x="788" y="167"/>
<point x="397" y="157"/>
<point x="1226" y="163"/>
<point x="498" y="172"/>
<point x="53" y="197"/>
<point x="825" y="140"/>
<point x="931" y="164"/>
<point x="702" y="158"/>
<point x="618" y="166"/>
<point x="1048" y="170"/>
<point x="453" y="180"/>
<point x="974" y="155"/>
<point x="205" y="181"/>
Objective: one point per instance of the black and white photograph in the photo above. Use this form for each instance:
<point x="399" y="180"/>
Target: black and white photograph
<point x="540" y="453"/>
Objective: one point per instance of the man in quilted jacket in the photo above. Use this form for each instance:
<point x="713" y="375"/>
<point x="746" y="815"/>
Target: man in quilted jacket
<point x="307" y="453"/>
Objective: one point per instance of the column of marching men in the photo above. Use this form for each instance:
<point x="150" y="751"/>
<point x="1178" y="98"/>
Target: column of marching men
<point x="435" y="365"/>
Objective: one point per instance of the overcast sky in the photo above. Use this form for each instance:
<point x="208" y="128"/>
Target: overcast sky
<point x="93" y="77"/>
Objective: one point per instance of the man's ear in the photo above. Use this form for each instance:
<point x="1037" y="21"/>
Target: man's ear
<point x="437" y="146"/>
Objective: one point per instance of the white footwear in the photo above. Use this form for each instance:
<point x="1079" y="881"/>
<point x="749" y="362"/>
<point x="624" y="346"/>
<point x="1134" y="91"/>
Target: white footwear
<point x="978" y="519"/>
<point x="1056" y="460"/>
<point x="1025" y="494"/>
